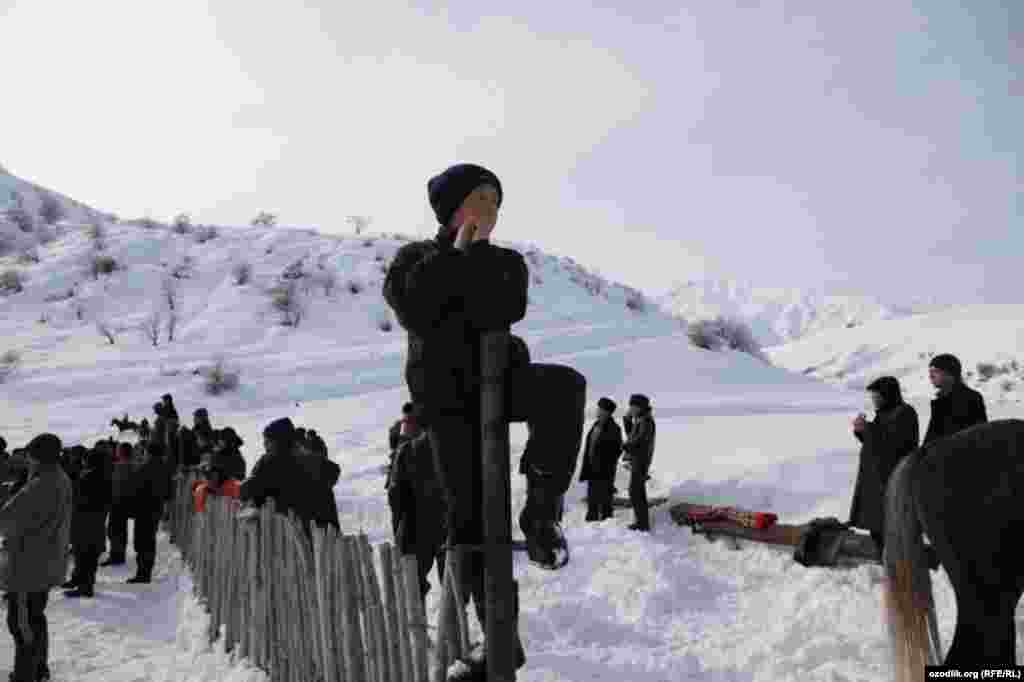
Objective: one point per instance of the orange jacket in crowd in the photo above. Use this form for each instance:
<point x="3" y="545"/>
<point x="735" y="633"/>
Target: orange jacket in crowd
<point x="201" y="489"/>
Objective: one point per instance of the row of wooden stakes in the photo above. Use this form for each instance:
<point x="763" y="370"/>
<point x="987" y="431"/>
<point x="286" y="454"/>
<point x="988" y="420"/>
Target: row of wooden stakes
<point x="303" y="604"/>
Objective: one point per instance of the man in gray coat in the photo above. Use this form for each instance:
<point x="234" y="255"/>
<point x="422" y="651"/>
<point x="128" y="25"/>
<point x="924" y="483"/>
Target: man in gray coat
<point x="35" y="525"/>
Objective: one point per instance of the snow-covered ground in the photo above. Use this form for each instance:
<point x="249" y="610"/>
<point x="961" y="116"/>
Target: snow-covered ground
<point x="643" y="608"/>
<point x="991" y="336"/>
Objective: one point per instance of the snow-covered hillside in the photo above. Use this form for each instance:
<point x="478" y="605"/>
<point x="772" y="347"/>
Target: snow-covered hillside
<point x="36" y="202"/>
<point x="775" y="315"/>
<point x="635" y="607"/>
<point x="988" y="339"/>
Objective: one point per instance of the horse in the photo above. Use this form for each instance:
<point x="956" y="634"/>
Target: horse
<point x="966" y="493"/>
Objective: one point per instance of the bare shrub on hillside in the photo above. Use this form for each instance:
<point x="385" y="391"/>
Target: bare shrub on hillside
<point x="170" y="293"/>
<point x="78" y="308"/>
<point x="241" y="273"/>
<point x="220" y="378"/>
<point x="359" y="223"/>
<point x="286" y="299"/>
<point x="986" y="371"/>
<point x="103" y="265"/>
<point x="147" y="223"/>
<point x="635" y="301"/>
<point x="354" y="286"/>
<point x="205" y="233"/>
<point x="184" y="269"/>
<point x="60" y="296"/>
<point x="721" y="333"/>
<point x="29" y="256"/>
<point x="296" y="270"/>
<point x="328" y="279"/>
<point x="9" y="363"/>
<point x="96" y="231"/>
<point x="151" y="328"/>
<point x="11" y="282"/>
<point x="385" y="324"/>
<point x="368" y="243"/>
<point x="107" y="331"/>
<point x="51" y="210"/>
<point x="182" y="224"/>
<point x="264" y="219"/>
<point x="1007" y="385"/>
<point x="172" y="325"/>
<point x="24" y="220"/>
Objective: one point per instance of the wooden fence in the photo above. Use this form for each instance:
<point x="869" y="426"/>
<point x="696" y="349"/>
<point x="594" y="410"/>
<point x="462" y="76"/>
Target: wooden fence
<point x="321" y="606"/>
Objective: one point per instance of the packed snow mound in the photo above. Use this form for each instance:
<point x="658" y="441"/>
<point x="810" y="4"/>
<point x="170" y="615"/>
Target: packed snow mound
<point x="988" y="339"/>
<point x="775" y="315"/>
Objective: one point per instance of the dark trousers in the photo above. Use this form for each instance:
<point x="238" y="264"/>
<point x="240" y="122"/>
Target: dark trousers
<point x="550" y="399"/>
<point x="427" y="555"/>
<point x="87" y="561"/>
<point x="26" y="620"/>
<point x="638" y="494"/>
<point x="879" y="539"/>
<point x="599" y="500"/>
<point x="117" y="532"/>
<point x="147" y="522"/>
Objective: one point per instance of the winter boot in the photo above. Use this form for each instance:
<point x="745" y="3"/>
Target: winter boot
<point x="70" y="584"/>
<point x="79" y="592"/>
<point x="473" y="668"/>
<point x="546" y="545"/>
<point x="114" y="560"/>
<point x="144" y="572"/>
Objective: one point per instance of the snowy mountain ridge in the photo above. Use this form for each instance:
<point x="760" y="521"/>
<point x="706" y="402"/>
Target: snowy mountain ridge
<point x="776" y="315"/>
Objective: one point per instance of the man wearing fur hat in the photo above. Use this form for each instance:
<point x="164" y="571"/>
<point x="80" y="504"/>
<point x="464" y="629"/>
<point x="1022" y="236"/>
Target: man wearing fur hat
<point x="601" y="451"/>
<point x="640" y="449"/>
<point x="36" y="528"/>
<point x="446" y="293"/>
<point x="956" y="406"/>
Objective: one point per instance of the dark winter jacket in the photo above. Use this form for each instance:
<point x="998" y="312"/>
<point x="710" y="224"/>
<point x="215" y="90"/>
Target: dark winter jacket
<point x="294" y="483"/>
<point x="93" y="496"/>
<point x="395" y="437"/>
<point x="35" y="526"/>
<point x="601" y="453"/>
<point x="889" y="437"/>
<point x="960" y="408"/>
<point x="445" y="299"/>
<point x="327" y="471"/>
<point x="188" y="452"/>
<point x="416" y="498"/>
<point x="151" y="485"/>
<point x="231" y="462"/>
<point x="640" y="444"/>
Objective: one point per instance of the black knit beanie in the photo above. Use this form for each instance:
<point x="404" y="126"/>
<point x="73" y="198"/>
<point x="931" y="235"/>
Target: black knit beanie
<point x="606" y="404"/>
<point x="448" y="190"/>
<point x="281" y="430"/>
<point x="948" y="364"/>
<point x="45" y="448"/>
<point x="640" y="400"/>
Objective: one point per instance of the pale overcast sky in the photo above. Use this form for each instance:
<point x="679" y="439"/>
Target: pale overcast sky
<point x="869" y="146"/>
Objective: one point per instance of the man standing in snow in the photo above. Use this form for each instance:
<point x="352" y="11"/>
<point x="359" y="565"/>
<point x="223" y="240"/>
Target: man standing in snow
<point x="601" y="451"/>
<point x="405" y="429"/>
<point x="956" y="406"/>
<point x="889" y="437"/>
<point x="640" y="449"/>
<point x="446" y="293"/>
<point x="36" y="528"/>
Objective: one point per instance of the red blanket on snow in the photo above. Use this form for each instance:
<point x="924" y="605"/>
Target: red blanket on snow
<point x="704" y="513"/>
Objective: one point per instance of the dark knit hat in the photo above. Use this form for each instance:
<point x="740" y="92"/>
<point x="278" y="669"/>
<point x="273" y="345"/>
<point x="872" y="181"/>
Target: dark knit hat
<point x="947" y="363"/>
<point x="640" y="400"/>
<point x="889" y="389"/>
<point x="407" y="408"/>
<point x="448" y="190"/>
<point x="201" y="412"/>
<point x="606" y="404"/>
<point x="45" y="448"/>
<point x="280" y="430"/>
<point x="231" y="437"/>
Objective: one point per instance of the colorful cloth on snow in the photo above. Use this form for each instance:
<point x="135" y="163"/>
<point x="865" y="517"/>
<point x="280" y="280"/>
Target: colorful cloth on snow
<point x="749" y="519"/>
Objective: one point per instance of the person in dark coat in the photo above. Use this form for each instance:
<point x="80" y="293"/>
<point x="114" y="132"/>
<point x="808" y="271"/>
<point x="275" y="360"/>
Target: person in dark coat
<point x="417" y="508"/>
<point x="403" y="430"/>
<point x="92" y="499"/>
<point x="316" y="451"/>
<point x="640" y="448"/>
<point x="889" y="437"/>
<point x="35" y="525"/>
<point x="956" y="406"/>
<point x="601" y="450"/>
<point x="123" y="482"/>
<point x="227" y="447"/>
<point x="189" y="454"/>
<point x="152" y="490"/>
<point x="446" y="293"/>
<point x="293" y="482"/>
